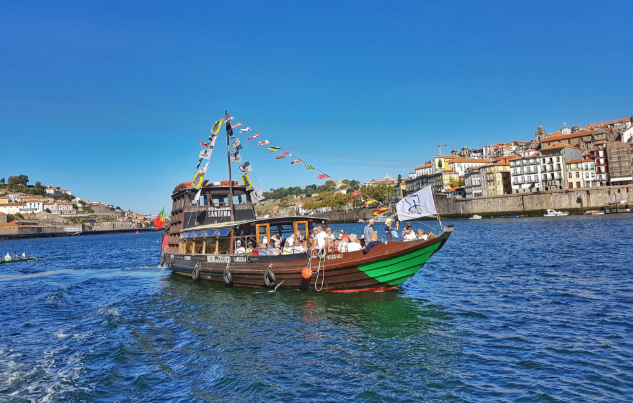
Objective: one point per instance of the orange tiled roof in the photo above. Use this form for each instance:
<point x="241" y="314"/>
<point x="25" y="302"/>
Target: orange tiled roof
<point x="612" y="122"/>
<point x="576" y="161"/>
<point x="470" y="160"/>
<point x="557" y="145"/>
<point x="429" y="165"/>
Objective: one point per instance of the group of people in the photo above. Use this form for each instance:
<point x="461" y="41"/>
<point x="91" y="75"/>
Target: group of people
<point x="322" y="237"/>
<point x="15" y="256"/>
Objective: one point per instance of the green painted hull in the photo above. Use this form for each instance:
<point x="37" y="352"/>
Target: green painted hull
<point x="396" y="270"/>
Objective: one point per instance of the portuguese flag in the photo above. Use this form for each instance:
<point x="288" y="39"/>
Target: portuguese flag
<point x="159" y="222"/>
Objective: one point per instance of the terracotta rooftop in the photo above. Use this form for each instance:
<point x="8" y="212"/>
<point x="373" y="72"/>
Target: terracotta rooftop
<point x="576" y="161"/>
<point x="424" y="166"/>
<point x="469" y="160"/>
<point x="557" y="145"/>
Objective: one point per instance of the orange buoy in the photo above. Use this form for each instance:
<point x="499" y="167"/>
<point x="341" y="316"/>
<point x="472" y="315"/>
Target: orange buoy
<point x="306" y="273"/>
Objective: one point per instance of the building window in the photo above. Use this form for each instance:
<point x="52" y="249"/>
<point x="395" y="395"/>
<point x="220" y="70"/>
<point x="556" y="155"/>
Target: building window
<point x="570" y="175"/>
<point x="577" y="174"/>
<point x="577" y="184"/>
<point x="571" y="185"/>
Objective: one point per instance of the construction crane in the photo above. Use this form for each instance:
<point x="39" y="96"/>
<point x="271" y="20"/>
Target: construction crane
<point x="438" y="146"/>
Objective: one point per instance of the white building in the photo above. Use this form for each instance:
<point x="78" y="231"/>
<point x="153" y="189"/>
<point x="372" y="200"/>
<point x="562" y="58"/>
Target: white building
<point x="53" y="191"/>
<point x="11" y="208"/>
<point x="32" y="207"/>
<point x="461" y="165"/>
<point x="589" y="173"/>
<point x="59" y="207"/>
<point x="525" y="174"/>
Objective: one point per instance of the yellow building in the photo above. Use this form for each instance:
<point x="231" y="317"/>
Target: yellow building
<point x="497" y="179"/>
<point x="4" y="200"/>
<point x="574" y="174"/>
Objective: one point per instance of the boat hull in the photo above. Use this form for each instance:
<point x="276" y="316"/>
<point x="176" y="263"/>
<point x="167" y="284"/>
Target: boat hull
<point x="384" y="267"/>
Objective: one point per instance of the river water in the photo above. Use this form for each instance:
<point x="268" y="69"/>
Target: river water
<point x="530" y="309"/>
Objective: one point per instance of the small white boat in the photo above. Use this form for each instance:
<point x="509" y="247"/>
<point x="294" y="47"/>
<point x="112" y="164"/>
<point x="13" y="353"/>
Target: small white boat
<point x="383" y="217"/>
<point x="360" y="220"/>
<point x="554" y="213"/>
<point x="475" y="217"/>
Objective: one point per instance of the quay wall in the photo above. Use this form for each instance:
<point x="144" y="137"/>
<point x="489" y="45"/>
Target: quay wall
<point x="349" y="216"/>
<point x="592" y="198"/>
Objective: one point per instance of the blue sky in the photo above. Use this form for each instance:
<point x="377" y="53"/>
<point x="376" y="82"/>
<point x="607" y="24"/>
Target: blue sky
<point x="109" y="99"/>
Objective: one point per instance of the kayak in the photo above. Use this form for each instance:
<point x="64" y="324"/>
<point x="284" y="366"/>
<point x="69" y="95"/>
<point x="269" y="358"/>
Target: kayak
<point x="20" y="260"/>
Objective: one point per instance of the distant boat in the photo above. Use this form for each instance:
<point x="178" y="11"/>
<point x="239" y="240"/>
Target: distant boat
<point x="618" y="202"/>
<point x="136" y="232"/>
<point x="475" y="217"/>
<point x="594" y="212"/>
<point x="516" y="216"/>
<point x="498" y="216"/>
<point x="554" y="213"/>
<point x="360" y="220"/>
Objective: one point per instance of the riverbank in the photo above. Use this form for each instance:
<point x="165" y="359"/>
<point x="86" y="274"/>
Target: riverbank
<point x="7" y="237"/>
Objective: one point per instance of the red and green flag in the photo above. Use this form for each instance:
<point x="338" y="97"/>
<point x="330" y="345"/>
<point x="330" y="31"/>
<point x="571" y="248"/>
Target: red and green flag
<point x="160" y="221"/>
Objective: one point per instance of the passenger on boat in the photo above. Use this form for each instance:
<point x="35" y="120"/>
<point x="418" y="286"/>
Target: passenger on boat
<point x="389" y="229"/>
<point x="353" y="245"/>
<point x="408" y="234"/>
<point x="320" y="237"/>
<point x="273" y="252"/>
<point x="342" y="244"/>
<point x="7" y="257"/>
<point x="369" y="229"/>
<point x="239" y="249"/>
<point x="250" y="248"/>
<point x="374" y="242"/>
<point x="362" y="241"/>
<point x="24" y="255"/>
<point x="262" y="249"/>
<point x="274" y="241"/>
<point x="255" y="251"/>
<point x="422" y="235"/>
<point x="330" y="237"/>
<point x="16" y="256"/>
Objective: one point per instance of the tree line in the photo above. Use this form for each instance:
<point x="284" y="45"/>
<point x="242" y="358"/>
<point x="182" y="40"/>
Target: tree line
<point x="328" y="186"/>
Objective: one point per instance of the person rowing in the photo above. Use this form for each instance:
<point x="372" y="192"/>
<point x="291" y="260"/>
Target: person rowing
<point x="7" y="257"/>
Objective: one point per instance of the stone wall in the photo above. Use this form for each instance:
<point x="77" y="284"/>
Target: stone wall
<point x="346" y="216"/>
<point x="593" y="198"/>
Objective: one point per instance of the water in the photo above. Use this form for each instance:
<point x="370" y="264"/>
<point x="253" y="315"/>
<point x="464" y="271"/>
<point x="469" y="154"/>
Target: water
<point x="510" y="310"/>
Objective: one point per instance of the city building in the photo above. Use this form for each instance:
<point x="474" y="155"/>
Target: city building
<point x="589" y="172"/>
<point x="32" y="207"/>
<point x="388" y="180"/>
<point x="525" y="173"/>
<point x="619" y="160"/>
<point x="53" y="191"/>
<point x="574" y="173"/>
<point x="602" y="167"/>
<point x="459" y="191"/>
<point x="472" y="182"/>
<point x="497" y="179"/>
<point x="460" y="165"/>
<point x="553" y="169"/>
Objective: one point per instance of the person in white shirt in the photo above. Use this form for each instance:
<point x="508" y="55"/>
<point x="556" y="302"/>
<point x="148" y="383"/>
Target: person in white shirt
<point x="342" y="244"/>
<point x="239" y="249"/>
<point x="421" y="235"/>
<point x="408" y="234"/>
<point x="320" y="237"/>
<point x="353" y="245"/>
<point x="7" y="257"/>
<point x="274" y="241"/>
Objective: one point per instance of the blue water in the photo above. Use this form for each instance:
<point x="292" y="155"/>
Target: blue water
<point x="510" y="310"/>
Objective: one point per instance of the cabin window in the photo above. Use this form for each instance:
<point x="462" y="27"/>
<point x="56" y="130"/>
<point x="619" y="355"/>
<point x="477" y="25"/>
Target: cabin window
<point x="210" y="247"/>
<point x="302" y="227"/>
<point x="197" y="247"/>
<point x="188" y="246"/>
<point x="220" y="200"/>
<point x="239" y="199"/>
<point x="262" y="232"/>
<point x="223" y="245"/>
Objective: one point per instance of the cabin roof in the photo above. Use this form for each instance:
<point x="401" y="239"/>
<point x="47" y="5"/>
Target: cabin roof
<point x="271" y="220"/>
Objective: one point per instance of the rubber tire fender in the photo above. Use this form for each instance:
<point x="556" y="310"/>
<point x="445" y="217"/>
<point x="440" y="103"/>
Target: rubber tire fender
<point x="195" y="274"/>
<point x="228" y="277"/>
<point x="162" y="259"/>
<point x="269" y="277"/>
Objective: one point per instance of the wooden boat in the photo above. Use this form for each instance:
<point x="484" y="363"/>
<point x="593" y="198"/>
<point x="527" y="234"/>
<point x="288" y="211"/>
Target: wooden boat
<point x="28" y="259"/>
<point x="205" y="240"/>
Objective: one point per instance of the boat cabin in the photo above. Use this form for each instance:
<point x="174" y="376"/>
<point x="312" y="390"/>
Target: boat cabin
<point x="222" y="238"/>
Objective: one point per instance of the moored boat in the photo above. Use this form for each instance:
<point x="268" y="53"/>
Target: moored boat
<point x="214" y="235"/>
<point x="554" y="213"/>
<point x="475" y="217"/>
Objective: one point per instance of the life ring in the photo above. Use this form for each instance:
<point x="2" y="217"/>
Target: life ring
<point x="228" y="277"/>
<point x="195" y="274"/>
<point x="269" y="277"/>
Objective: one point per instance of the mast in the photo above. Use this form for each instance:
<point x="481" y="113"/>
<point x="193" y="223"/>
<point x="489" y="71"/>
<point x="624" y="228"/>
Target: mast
<point x="437" y="211"/>
<point x="228" y="158"/>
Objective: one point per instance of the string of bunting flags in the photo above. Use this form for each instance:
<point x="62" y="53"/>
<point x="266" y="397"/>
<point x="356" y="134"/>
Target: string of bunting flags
<point x="274" y="148"/>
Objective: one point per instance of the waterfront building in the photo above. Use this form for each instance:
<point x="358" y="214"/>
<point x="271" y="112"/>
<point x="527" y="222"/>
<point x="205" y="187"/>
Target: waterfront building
<point x="525" y="174"/>
<point x="589" y="172"/>
<point x="11" y="208"/>
<point x="497" y="179"/>
<point x="460" y="165"/>
<point x="458" y="191"/>
<point x="553" y="169"/>
<point x="574" y="173"/>
<point x="472" y="182"/>
<point x="32" y="207"/>
<point x="440" y="162"/>
<point x="619" y="160"/>
<point x="602" y="167"/>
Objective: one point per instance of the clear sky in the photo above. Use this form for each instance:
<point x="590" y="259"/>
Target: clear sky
<point x="109" y="99"/>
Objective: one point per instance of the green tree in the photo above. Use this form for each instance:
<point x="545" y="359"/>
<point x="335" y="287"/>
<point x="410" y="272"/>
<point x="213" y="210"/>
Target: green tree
<point x="383" y="193"/>
<point x="14" y="180"/>
<point x="311" y="204"/>
<point x="47" y="210"/>
<point x="579" y="201"/>
<point x="453" y="183"/>
<point x="24" y="179"/>
<point x="336" y="201"/>
<point x="118" y="208"/>
<point x="2" y="181"/>
<point x="87" y="209"/>
<point x="38" y="184"/>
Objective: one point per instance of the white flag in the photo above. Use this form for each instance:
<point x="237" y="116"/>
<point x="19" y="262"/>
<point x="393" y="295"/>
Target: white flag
<point x="205" y="153"/>
<point x="257" y="195"/>
<point x="236" y="157"/>
<point x="263" y="143"/>
<point x="416" y="205"/>
<point x="246" y="167"/>
<point x="247" y="129"/>
<point x="204" y="168"/>
<point x="196" y="199"/>
<point x="237" y="146"/>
